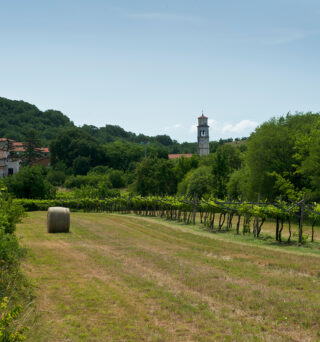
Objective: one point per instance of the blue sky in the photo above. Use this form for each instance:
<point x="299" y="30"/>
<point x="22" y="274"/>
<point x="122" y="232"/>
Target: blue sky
<point x="152" y="66"/>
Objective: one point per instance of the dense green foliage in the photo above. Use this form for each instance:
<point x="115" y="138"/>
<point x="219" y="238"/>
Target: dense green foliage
<point x="30" y="182"/>
<point x="155" y="177"/>
<point x="13" y="286"/>
<point x="31" y="148"/>
<point x="281" y="159"/>
<point x="19" y="117"/>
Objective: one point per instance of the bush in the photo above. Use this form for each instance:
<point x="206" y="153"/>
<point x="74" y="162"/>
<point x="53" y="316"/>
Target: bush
<point x="100" y="169"/>
<point x="56" y="178"/>
<point x="13" y="285"/>
<point x="103" y="190"/>
<point x="197" y="182"/>
<point x="81" y="165"/>
<point x="30" y="182"/>
<point x="117" y="179"/>
<point x="91" y="180"/>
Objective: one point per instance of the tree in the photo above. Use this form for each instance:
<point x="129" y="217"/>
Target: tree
<point x="30" y="182"/>
<point x="155" y="177"/>
<point x="183" y="165"/>
<point x="308" y="156"/>
<point x="237" y="185"/>
<point x="31" y="148"/>
<point x="117" y="179"/>
<point x="197" y="182"/>
<point x="56" y="177"/>
<point x="281" y="146"/>
<point x="164" y="140"/>
<point x="81" y="165"/>
<point x="74" y="143"/>
<point x="120" y="155"/>
<point x="225" y="161"/>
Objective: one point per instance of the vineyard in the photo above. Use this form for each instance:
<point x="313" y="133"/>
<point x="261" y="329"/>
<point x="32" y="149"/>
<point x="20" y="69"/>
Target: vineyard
<point x="216" y="215"/>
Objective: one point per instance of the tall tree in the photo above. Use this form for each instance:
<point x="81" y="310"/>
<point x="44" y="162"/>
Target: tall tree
<point x="280" y="147"/>
<point x="225" y="161"/>
<point x="155" y="177"/>
<point x="31" y="147"/>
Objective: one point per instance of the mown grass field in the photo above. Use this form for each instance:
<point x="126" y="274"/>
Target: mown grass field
<point x="127" y="278"/>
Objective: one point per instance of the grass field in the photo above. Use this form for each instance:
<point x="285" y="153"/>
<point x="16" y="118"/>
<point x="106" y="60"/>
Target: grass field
<point x="127" y="278"/>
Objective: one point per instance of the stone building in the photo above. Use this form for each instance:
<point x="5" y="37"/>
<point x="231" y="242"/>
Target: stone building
<point x="11" y="154"/>
<point x="203" y="136"/>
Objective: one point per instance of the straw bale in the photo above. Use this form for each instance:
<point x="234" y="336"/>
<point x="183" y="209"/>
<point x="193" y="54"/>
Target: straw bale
<point x="58" y="220"/>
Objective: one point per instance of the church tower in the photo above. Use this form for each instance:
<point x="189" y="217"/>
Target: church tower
<point x="203" y="135"/>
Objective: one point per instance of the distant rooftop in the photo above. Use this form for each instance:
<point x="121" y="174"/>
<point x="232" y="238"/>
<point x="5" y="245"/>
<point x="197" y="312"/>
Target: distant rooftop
<point x="18" y="146"/>
<point x="175" y="156"/>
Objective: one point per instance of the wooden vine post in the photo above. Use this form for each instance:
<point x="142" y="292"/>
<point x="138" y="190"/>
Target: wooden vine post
<point x="256" y="221"/>
<point x="302" y="205"/>
<point x="194" y="205"/>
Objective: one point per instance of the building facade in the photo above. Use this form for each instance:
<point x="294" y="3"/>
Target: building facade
<point x="11" y="153"/>
<point x="203" y="136"/>
<point x="8" y="166"/>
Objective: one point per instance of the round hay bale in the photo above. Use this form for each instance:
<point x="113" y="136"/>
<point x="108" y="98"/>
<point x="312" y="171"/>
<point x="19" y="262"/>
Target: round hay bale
<point x="58" y="220"/>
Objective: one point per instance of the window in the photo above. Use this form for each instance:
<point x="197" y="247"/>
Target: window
<point x="202" y="133"/>
<point x="10" y="171"/>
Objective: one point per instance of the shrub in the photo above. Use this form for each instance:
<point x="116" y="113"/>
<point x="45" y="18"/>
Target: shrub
<point x="8" y="333"/>
<point x="117" y="179"/>
<point x="90" y="179"/>
<point x="30" y="182"/>
<point x="81" y="165"/>
<point x="56" y="178"/>
<point x="13" y="285"/>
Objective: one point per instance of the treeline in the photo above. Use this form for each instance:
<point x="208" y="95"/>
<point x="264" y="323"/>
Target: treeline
<point x="18" y="118"/>
<point x="280" y="158"/>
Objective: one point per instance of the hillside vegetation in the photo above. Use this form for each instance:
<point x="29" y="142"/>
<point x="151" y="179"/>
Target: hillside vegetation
<point x="279" y="159"/>
<point x="18" y="117"/>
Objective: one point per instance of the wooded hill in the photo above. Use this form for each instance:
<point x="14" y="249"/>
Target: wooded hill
<point x="18" y="117"/>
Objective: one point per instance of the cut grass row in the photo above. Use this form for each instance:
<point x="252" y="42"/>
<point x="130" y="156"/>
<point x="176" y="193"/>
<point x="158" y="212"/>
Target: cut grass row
<point x="126" y="278"/>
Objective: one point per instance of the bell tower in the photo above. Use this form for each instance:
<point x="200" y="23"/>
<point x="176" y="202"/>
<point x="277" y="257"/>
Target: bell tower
<point x="203" y="135"/>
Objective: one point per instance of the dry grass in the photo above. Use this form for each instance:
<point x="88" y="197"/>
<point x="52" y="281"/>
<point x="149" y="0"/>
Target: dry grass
<point x="126" y="278"/>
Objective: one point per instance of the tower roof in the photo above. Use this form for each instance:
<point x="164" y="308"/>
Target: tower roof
<point x="202" y="116"/>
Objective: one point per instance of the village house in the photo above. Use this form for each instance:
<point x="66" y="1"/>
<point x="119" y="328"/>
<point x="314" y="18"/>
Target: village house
<point x="11" y="156"/>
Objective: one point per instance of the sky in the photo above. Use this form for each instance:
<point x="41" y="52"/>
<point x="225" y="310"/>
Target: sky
<point x="152" y="66"/>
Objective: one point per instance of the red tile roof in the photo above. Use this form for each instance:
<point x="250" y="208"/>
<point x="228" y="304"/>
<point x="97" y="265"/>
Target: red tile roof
<point x="44" y="149"/>
<point x="18" y="149"/>
<point x="175" y="156"/>
<point x="18" y="146"/>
